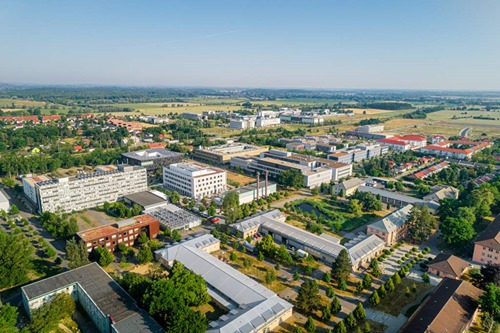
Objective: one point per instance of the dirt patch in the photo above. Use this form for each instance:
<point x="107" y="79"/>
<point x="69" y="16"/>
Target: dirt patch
<point x="240" y="179"/>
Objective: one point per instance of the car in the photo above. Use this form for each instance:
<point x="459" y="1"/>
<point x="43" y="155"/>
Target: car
<point x="214" y="219"/>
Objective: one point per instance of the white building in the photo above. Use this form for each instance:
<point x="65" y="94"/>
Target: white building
<point x="29" y="186"/>
<point x="4" y="202"/>
<point x="106" y="184"/>
<point x="194" y="180"/>
<point x="370" y="129"/>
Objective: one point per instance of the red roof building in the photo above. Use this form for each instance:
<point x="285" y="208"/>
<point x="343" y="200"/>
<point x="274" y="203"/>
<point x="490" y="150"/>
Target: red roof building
<point x="48" y="119"/>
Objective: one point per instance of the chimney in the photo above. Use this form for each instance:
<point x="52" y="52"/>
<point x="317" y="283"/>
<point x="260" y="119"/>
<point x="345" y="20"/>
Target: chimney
<point x="258" y="180"/>
<point x="266" y="184"/>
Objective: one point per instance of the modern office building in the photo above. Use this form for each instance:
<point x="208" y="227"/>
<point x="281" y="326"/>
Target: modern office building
<point x="222" y="154"/>
<point x="250" y="306"/>
<point x="88" y="190"/>
<point x="125" y="231"/>
<point x="487" y="244"/>
<point x="152" y="159"/>
<point x="194" y="179"/>
<point x="393" y="227"/>
<point x="110" y="308"/>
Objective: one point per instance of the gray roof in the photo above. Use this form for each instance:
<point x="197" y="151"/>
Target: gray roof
<point x="364" y="246"/>
<point x="107" y="295"/>
<point x="350" y="183"/>
<point x="151" y="154"/>
<point x="254" y="305"/>
<point x="313" y="241"/>
<point x="394" y="220"/>
<point x="257" y="219"/>
<point x="252" y="187"/>
<point x="145" y="198"/>
<point x="399" y="197"/>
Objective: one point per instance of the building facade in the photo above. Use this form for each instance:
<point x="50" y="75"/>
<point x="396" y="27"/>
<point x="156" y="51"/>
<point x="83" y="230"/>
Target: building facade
<point x="152" y="159"/>
<point x="222" y="154"/>
<point x="393" y="227"/>
<point x="194" y="180"/>
<point x="487" y="244"/>
<point x="125" y="231"/>
<point x="106" y="184"/>
<point x="29" y="187"/>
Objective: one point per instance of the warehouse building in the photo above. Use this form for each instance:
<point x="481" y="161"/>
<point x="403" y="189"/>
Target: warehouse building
<point x="250" y="225"/>
<point x="110" y="308"/>
<point x="251" y="306"/>
<point x="83" y="191"/>
<point x="125" y="231"/>
<point x="194" y="179"/>
<point x="398" y="200"/>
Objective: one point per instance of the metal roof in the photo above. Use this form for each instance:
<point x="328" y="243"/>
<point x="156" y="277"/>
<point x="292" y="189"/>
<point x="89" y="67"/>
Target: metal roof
<point x="151" y="154"/>
<point x="145" y="198"/>
<point x="257" y="219"/>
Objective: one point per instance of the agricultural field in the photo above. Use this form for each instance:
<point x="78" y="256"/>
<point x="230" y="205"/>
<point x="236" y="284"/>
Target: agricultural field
<point x="165" y="108"/>
<point x="466" y="117"/>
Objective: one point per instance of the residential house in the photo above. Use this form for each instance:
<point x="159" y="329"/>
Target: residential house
<point x="447" y="265"/>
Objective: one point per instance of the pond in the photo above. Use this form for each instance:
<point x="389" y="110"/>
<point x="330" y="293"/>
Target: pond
<point x="305" y="207"/>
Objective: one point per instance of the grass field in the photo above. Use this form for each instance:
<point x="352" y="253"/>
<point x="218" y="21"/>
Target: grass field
<point x="395" y="301"/>
<point x="165" y="108"/>
<point x="18" y="102"/>
<point x="241" y="179"/>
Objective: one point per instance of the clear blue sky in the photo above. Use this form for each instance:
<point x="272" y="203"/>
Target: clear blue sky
<point x="407" y="44"/>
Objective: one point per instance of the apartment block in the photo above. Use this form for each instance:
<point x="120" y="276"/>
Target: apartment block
<point x="487" y="244"/>
<point x="358" y="153"/>
<point x="29" y="187"/>
<point x="107" y="183"/>
<point x="194" y="180"/>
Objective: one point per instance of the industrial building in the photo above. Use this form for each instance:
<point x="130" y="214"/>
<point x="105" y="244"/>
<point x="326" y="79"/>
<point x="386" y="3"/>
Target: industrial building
<point x="110" y="308"/>
<point x="250" y="306"/>
<point x="194" y="180"/>
<point x="152" y="159"/>
<point x="250" y="225"/>
<point x="125" y="231"/>
<point x="88" y="190"/>
<point x="222" y="154"/>
<point x="148" y="200"/>
<point x="398" y="200"/>
<point x="175" y="218"/>
<point x="254" y="191"/>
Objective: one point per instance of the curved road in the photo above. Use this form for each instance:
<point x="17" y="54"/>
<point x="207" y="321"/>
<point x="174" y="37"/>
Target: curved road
<point x="465" y="131"/>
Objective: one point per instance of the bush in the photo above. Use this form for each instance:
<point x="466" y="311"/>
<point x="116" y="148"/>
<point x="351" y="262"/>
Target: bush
<point x="387" y="252"/>
<point x="391" y="249"/>
<point x="399" y="262"/>
<point x="414" y="249"/>
<point x="423" y="265"/>
<point x="426" y="278"/>
<point x="427" y="249"/>
<point x="420" y="255"/>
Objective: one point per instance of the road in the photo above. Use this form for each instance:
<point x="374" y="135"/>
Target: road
<point x="465" y="132"/>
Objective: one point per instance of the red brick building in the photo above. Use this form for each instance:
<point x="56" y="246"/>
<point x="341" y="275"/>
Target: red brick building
<point x="125" y="231"/>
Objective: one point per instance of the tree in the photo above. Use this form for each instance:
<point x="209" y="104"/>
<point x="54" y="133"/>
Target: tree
<point x="103" y="256"/>
<point x="326" y="314"/>
<point x="389" y="285"/>
<point x="174" y="197"/>
<point x="8" y="318"/>
<point x="13" y="210"/>
<point x="231" y="206"/>
<point x="291" y="178"/>
<point x="355" y="207"/>
<point x="342" y="285"/>
<point x="212" y="210"/>
<point x="144" y="255"/>
<point x="359" y="312"/>
<point x="367" y="328"/>
<point x="374" y="298"/>
<point x="420" y="224"/>
<point x="342" y="266"/>
<point x="270" y="276"/>
<point x="233" y="256"/>
<point x="350" y="320"/>
<point x="315" y="191"/>
<point x="330" y="292"/>
<point x="296" y="275"/>
<point x="47" y="317"/>
<point x="407" y="292"/>
<point x="457" y="232"/>
<point x="396" y="278"/>
<point x="308" y="298"/>
<point x="359" y="286"/>
<point x="490" y="301"/>
<point x="369" y="202"/>
<point x="367" y="281"/>
<point x="376" y="272"/>
<point x="310" y="326"/>
<point x="15" y="259"/>
<point x="335" y="305"/>
<point x="76" y="253"/>
<point x="327" y="277"/>
<point x="426" y="278"/>
<point x="143" y="238"/>
<point x="176" y="236"/>
<point x="340" y="327"/>
<point x="382" y="292"/>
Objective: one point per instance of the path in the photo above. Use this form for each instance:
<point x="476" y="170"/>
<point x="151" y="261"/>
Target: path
<point x="465" y="132"/>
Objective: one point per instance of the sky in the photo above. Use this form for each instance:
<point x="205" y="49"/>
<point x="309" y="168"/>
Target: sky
<point x="318" y="44"/>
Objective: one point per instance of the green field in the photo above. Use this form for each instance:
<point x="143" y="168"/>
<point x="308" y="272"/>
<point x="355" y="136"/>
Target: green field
<point x="447" y="115"/>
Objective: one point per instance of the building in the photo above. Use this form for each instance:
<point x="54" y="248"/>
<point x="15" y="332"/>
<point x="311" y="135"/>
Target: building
<point x="174" y="217"/>
<point x="250" y="306"/>
<point x="370" y="128"/>
<point x="450" y="308"/>
<point x="404" y="142"/>
<point x="325" y="248"/>
<point x="250" y="225"/>
<point x="302" y="119"/>
<point x="455" y="149"/>
<point x="4" y="202"/>
<point x="437" y="138"/>
<point x="191" y="115"/>
<point x="487" y="244"/>
<point x="152" y="159"/>
<point x="243" y="123"/>
<point x="422" y="174"/>
<point x="254" y="191"/>
<point x="83" y="191"/>
<point x="348" y="186"/>
<point x="29" y="186"/>
<point x="395" y="144"/>
<point x="222" y="154"/>
<point x="148" y="200"/>
<point x="110" y="308"/>
<point x="194" y="180"/>
<point x="358" y="153"/>
<point x="125" y="231"/>
<point x="398" y="200"/>
<point x="440" y="192"/>
<point x="449" y="266"/>
<point x="391" y="228"/>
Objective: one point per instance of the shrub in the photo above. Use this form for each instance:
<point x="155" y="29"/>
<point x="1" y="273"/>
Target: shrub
<point x="414" y="249"/>
<point x="420" y="255"/>
<point x="426" y="278"/>
<point x="423" y="265"/>
<point x="374" y="298"/>
<point x="399" y="262"/>
<point x="387" y="252"/>
<point x="427" y="249"/>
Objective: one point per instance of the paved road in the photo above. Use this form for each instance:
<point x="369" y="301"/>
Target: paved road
<point x="465" y="132"/>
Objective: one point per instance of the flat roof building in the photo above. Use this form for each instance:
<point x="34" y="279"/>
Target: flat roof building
<point x="29" y="186"/>
<point x="83" y="191"/>
<point x="251" y="192"/>
<point x="222" y="154"/>
<point x="398" y="200"/>
<point x="152" y="159"/>
<point x="251" y="306"/>
<point x="110" y="308"/>
<point x="174" y="217"/>
<point x="124" y="231"/>
<point x="194" y="180"/>
<point x="147" y="199"/>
